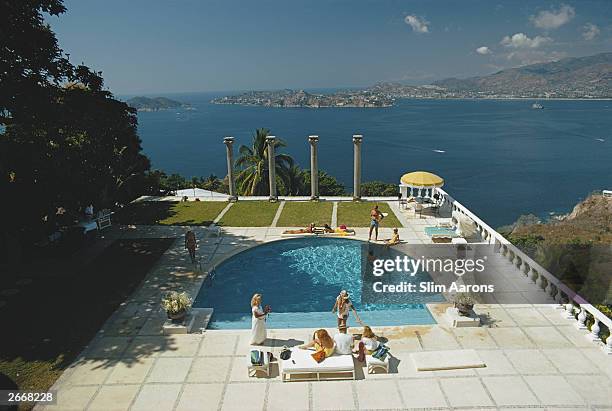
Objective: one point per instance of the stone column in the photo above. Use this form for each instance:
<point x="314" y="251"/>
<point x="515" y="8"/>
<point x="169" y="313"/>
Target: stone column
<point x="271" y="140"/>
<point x="229" y="146"/>
<point x="314" y="168"/>
<point x="357" y="139"/>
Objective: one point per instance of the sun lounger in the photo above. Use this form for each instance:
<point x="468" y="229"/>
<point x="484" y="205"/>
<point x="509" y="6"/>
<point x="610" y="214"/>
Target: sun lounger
<point x="441" y="238"/>
<point x="374" y="363"/>
<point x="302" y="367"/>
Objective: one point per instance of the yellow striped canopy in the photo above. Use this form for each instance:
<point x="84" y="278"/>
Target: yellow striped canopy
<point x="422" y="179"/>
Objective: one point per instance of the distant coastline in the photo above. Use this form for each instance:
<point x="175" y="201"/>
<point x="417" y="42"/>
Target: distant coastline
<point x="580" y="78"/>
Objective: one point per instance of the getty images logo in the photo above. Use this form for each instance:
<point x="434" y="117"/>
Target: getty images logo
<point x="412" y="266"/>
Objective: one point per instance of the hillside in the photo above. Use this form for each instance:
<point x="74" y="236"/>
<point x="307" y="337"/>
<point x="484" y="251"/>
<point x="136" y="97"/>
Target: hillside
<point x="579" y="77"/>
<point x="576" y="249"/>
<point x="154" y="104"/>
<point x="590" y="221"/>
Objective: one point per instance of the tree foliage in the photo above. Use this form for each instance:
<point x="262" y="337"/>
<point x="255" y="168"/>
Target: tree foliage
<point x="379" y="189"/>
<point x="65" y="142"/>
<point x="252" y="163"/>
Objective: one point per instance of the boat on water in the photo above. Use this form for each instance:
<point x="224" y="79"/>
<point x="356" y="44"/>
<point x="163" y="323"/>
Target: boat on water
<point x="537" y="106"/>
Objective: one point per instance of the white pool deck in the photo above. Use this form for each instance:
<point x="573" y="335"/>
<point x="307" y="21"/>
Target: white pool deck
<point x="536" y="359"/>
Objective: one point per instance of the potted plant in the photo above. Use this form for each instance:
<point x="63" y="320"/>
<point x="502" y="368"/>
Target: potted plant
<point x="464" y="304"/>
<point x="176" y="305"/>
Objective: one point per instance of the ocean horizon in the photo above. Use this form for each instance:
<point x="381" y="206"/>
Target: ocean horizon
<point x="500" y="158"/>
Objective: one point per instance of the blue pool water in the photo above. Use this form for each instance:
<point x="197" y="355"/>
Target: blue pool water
<point x="430" y="231"/>
<point x="300" y="279"/>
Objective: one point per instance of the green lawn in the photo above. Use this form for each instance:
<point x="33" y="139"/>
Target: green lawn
<point x="302" y="213"/>
<point x="357" y="214"/>
<point x="171" y="213"/>
<point x="250" y="214"/>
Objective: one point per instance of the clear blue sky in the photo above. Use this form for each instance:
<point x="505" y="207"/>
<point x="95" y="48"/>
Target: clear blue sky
<point x="157" y="46"/>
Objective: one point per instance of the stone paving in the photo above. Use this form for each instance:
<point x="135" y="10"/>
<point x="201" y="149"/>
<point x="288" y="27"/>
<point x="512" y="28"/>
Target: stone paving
<point x="535" y="358"/>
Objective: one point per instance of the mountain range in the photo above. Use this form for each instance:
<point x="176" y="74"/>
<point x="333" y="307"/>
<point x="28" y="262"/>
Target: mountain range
<point x="574" y="77"/>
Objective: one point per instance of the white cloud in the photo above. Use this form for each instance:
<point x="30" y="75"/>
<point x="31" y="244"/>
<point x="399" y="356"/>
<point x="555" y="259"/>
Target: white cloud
<point x="483" y="50"/>
<point x="552" y="19"/>
<point x="419" y="25"/>
<point x="590" y="31"/>
<point x="522" y="41"/>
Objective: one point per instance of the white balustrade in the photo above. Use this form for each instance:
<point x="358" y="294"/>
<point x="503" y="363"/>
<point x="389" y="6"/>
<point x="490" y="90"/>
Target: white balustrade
<point x="544" y="280"/>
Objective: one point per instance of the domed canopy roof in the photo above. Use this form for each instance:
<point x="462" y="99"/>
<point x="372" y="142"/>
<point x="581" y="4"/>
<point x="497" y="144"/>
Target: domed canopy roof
<point x="422" y="179"/>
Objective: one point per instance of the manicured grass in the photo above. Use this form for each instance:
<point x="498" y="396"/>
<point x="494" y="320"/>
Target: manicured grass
<point x="357" y="214"/>
<point x="171" y="213"/>
<point x="54" y="316"/>
<point x="302" y="213"/>
<point x="250" y="214"/>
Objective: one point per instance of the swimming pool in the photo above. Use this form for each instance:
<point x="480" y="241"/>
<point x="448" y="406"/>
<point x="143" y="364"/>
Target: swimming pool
<point x="300" y="279"/>
<point x="430" y="231"/>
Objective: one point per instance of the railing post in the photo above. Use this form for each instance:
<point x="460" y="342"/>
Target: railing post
<point x="569" y="311"/>
<point x="595" y="329"/>
<point x="229" y="148"/>
<point x="581" y="320"/>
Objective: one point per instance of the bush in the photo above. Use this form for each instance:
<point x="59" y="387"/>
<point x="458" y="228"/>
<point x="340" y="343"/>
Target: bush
<point x="379" y="189"/>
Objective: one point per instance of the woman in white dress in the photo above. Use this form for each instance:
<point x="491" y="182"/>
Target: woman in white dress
<point x="258" y="321"/>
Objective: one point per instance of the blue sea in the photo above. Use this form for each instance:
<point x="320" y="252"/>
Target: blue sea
<point x="499" y="158"/>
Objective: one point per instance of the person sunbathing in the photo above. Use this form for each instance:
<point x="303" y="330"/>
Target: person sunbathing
<point x="394" y="240"/>
<point x="343" y="229"/>
<point x="308" y="230"/>
<point x="321" y="341"/>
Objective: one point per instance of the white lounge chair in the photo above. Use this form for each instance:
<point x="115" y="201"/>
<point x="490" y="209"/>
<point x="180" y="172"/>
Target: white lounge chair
<point x="252" y="368"/>
<point x="374" y="363"/>
<point x="302" y="367"/>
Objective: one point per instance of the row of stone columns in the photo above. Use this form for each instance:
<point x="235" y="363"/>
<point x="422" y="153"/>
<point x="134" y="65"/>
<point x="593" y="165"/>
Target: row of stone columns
<point x="314" y="168"/>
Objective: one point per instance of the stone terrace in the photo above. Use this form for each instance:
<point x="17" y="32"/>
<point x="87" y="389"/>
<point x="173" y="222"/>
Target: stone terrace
<point x="536" y="358"/>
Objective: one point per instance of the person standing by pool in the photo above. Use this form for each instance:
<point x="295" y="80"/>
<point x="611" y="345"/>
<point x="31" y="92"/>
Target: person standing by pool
<point x="258" y="322"/>
<point x="342" y="306"/>
<point x="375" y="217"/>
<point x="190" y="244"/>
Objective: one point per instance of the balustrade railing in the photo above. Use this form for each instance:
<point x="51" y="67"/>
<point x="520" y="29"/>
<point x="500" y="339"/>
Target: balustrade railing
<point x="574" y="306"/>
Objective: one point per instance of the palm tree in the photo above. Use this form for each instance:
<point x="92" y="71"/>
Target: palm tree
<point x="294" y="182"/>
<point x="253" y="165"/>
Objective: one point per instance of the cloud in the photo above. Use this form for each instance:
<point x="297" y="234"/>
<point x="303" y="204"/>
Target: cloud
<point x="552" y="19"/>
<point x="483" y="50"/>
<point x="522" y="41"/>
<point x="590" y="31"/>
<point x="419" y="25"/>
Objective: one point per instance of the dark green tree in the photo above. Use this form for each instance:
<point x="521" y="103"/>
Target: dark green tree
<point x="65" y="141"/>
<point x="378" y="188"/>
<point x="328" y="185"/>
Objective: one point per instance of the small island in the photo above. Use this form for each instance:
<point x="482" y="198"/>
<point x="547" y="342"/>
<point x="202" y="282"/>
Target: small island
<point x="155" y="103"/>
